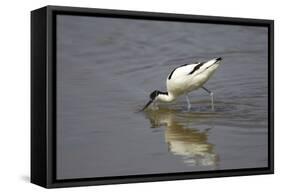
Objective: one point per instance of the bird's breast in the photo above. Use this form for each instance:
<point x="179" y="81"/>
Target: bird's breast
<point x="188" y="84"/>
<point x="178" y="86"/>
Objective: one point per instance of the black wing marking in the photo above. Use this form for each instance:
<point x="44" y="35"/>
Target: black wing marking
<point x="196" y="67"/>
<point x="170" y="76"/>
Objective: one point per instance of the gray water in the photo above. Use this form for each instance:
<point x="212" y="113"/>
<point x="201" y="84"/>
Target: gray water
<point x="106" y="69"/>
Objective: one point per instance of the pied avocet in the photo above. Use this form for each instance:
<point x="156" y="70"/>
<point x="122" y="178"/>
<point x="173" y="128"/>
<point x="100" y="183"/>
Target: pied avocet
<point x="184" y="79"/>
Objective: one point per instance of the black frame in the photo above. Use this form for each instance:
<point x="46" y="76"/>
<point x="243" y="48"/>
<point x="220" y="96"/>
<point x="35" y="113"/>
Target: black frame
<point x="43" y="96"/>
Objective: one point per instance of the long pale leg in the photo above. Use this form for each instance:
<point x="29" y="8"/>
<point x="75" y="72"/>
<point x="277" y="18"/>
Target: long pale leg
<point x="188" y="103"/>
<point x="211" y="95"/>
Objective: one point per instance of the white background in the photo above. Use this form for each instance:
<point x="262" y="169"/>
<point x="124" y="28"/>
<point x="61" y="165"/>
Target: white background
<point x="15" y="95"/>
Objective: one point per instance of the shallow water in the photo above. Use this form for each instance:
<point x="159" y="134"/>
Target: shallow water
<point x="106" y="70"/>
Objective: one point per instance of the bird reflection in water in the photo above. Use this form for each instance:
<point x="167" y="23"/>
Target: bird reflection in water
<point x="189" y="143"/>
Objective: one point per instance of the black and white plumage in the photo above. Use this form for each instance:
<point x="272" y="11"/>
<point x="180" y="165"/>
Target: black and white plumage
<point x="184" y="79"/>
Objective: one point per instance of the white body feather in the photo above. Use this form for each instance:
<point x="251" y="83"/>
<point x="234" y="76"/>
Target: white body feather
<point x="187" y="78"/>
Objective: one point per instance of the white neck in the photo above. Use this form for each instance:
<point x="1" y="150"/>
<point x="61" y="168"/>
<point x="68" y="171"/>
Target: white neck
<point x="165" y="97"/>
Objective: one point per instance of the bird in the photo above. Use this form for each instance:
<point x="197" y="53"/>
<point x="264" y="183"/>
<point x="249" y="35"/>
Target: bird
<point x="185" y="79"/>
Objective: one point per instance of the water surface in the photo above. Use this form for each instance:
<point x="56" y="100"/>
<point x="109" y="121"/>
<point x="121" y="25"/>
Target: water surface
<point x="107" y="68"/>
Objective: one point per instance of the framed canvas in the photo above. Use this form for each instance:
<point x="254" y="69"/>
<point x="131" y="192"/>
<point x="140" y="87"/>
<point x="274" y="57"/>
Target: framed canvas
<point x="126" y="96"/>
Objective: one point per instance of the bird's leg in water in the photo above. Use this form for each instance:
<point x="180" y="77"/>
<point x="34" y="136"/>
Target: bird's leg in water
<point x="212" y="97"/>
<point x="188" y="103"/>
